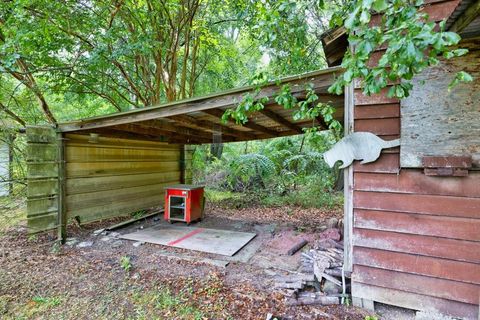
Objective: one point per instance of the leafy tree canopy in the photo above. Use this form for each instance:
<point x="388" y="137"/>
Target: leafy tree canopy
<point x="411" y="40"/>
<point x="61" y="60"/>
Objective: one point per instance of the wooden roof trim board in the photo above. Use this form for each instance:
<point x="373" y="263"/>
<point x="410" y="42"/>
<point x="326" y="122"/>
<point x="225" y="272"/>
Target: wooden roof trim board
<point x="466" y="17"/>
<point x="321" y="79"/>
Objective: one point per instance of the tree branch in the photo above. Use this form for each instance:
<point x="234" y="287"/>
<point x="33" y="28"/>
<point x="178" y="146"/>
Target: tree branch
<point x="12" y="114"/>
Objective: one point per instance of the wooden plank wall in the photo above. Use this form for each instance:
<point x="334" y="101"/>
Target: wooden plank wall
<point x="188" y="158"/>
<point x="416" y="238"/>
<point x="452" y="127"/>
<point x="42" y="179"/>
<point x="114" y="177"/>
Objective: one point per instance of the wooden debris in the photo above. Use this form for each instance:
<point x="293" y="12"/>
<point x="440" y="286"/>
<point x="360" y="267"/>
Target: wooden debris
<point x="299" y="245"/>
<point x="337" y="272"/>
<point x="307" y="256"/>
<point x="290" y="285"/>
<point x="323" y="262"/>
<point x="296" y="277"/>
<point x="318" y="300"/>
<point x="130" y="221"/>
<point x="331" y="279"/>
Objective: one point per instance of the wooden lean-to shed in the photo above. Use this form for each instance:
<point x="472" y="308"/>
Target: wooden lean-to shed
<point x="112" y="165"/>
<point x="413" y="217"/>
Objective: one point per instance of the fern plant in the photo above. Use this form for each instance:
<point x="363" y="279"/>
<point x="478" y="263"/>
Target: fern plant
<point x="250" y="170"/>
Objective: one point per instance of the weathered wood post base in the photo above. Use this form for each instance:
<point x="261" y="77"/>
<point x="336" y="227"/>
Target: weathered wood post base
<point x="363" y="303"/>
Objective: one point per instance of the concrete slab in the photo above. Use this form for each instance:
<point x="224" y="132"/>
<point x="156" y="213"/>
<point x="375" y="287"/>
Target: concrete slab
<point x="224" y="242"/>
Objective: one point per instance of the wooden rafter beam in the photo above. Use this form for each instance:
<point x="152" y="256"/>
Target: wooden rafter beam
<point x="211" y="126"/>
<point x="467" y="17"/>
<point x="108" y="132"/>
<point x="154" y="132"/>
<point x="281" y="120"/>
<point x="251" y="125"/>
<point x="174" y="128"/>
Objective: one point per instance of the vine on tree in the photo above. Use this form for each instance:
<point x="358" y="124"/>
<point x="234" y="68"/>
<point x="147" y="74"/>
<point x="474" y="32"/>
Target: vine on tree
<point x="413" y="43"/>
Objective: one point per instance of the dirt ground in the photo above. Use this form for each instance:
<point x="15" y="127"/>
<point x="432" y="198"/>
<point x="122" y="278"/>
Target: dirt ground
<point x="103" y="277"/>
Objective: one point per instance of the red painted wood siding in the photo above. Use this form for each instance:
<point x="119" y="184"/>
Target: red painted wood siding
<point x="416" y="238"/>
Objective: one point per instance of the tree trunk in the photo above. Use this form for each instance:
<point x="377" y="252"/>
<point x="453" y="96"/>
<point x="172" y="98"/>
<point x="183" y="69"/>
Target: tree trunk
<point x="216" y="150"/>
<point x="339" y="182"/>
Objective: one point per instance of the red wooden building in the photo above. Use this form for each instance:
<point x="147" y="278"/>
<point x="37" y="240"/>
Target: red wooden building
<point x="412" y="222"/>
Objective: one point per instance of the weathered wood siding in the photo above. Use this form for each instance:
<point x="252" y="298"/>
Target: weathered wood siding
<point x="452" y="127"/>
<point x="42" y="179"/>
<point x="114" y="177"/>
<point x="416" y="238"/>
<point x="4" y="169"/>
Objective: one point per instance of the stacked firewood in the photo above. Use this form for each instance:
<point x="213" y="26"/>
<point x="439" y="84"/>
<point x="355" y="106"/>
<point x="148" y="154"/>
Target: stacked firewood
<point x="320" y="280"/>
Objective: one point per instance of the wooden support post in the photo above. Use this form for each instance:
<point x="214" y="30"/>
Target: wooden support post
<point x="348" y="185"/>
<point x="62" y="212"/>
<point x="182" y="164"/>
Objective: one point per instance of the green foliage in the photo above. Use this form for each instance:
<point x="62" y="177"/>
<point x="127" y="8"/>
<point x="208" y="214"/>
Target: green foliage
<point x="126" y="263"/>
<point x="138" y="214"/>
<point x="247" y="106"/>
<point x="277" y="171"/>
<point x="412" y="45"/>
<point x="249" y="170"/>
<point x="307" y="108"/>
<point x="288" y="32"/>
<point x="87" y="60"/>
<point x="51" y="302"/>
<point x="219" y="196"/>
<point x="309" y="196"/>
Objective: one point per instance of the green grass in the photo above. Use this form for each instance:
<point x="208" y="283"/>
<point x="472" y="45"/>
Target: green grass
<point x="161" y="301"/>
<point x="305" y="198"/>
<point x="228" y="199"/>
<point x="217" y="196"/>
<point x="33" y="309"/>
<point x="126" y="263"/>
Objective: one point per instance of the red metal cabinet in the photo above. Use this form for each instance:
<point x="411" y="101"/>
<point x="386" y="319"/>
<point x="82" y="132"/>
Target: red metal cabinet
<point x="184" y="202"/>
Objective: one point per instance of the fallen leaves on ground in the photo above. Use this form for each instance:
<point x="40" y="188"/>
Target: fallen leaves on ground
<point x="41" y="282"/>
